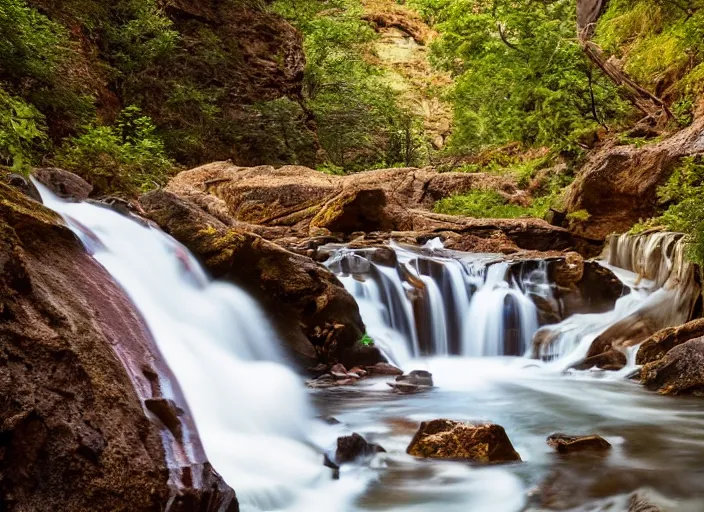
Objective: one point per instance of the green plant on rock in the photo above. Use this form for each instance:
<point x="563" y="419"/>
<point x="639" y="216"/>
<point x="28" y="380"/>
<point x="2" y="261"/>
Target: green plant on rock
<point x="480" y="204"/>
<point x="366" y="340"/>
<point x="121" y="159"/>
<point x="683" y="197"/>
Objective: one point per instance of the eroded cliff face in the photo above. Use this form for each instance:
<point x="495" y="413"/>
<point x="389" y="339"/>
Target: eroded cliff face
<point x="90" y="416"/>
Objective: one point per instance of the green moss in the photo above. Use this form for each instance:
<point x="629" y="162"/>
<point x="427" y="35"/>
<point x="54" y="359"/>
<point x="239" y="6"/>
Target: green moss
<point x="579" y="215"/>
<point x="480" y="204"/>
<point x="366" y="340"/>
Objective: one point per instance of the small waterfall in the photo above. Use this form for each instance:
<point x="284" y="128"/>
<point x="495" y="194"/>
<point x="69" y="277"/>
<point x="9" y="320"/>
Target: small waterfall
<point x="436" y="302"/>
<point x="665" y="291"/>
<point x="252" y="413"/>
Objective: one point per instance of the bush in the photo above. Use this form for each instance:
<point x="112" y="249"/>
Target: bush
<point x="683" y="197"/>
<point x="481" y="204"/>
<point x="22" y="132"/>
<point x="121" y="159"/>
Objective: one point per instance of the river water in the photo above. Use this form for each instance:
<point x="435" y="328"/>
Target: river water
<point x="264" y="432"/>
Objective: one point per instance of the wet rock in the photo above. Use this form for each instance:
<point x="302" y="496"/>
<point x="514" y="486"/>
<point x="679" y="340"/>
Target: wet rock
<point x="414" y="382"/>
<point x="680" y="371"/>
<point x="351" y="448"/>
<point x="660" y="343"/>
<point x="339" y="371"/>
<point x="383" y="370"/>
<point x="85" y="421"/>
<point x="447" y="439"/>
<point x="63" y="183"/>
<point x="21" y="183"/>
<point x="562" y="443"/>
<point x="611" y="360"/>
<point x="385" y="256"/>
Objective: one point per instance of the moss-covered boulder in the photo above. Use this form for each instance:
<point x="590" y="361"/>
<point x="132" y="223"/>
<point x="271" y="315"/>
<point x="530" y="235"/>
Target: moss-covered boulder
<point x="448" y="439"/>
<point x="313" y="312"/>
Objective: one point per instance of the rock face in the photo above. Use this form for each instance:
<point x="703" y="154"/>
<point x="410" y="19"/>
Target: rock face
<point x="681" y="371"/>
<point x="298" y="202"/>
<point x="312" y="310"/>
<point x="447" y="439"/>
<point x="618" y="184"/>
<point x="660" y="343"/>
<point x="90" y="416"/>
<point x="562" y="443"/>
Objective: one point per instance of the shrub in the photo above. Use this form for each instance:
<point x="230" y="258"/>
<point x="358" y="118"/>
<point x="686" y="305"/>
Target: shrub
<point x="22" y="132"/>
<point x="480" y="204"/>
<point x="120" y="159"/>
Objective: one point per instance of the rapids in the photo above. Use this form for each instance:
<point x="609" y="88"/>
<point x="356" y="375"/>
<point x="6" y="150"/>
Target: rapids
<point x="471" y="329"/>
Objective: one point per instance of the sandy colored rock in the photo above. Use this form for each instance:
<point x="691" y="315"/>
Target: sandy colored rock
<point x="563" y="443"/>
<point x="91" y="417"/>
<point x="312" y="311"/>
<point x="447" y="439"/>
<point x="680" y="371"/>
<point x="303" y="201"/>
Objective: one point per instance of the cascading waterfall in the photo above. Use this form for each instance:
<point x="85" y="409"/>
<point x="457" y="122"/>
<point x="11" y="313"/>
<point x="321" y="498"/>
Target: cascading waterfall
<point x="218" y="343"/>
<point x="434" y="302"/>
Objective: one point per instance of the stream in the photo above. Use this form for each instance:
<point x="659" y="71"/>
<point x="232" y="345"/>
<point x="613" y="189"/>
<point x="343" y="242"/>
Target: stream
<point x="264" y="431"/>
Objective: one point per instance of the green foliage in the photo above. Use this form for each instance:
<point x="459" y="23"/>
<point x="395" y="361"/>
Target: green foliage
<point x="366" y="340"/>
<point x="22" y="132"/>
<point x="683" y="196"/>
<point x="661" y="43"/>
<point x="520" y="74"/>
<point x="127" y="157"/>
<point x="481" y="204"/>
<point x="581" y="215"/>
<point x="359" y="119"/>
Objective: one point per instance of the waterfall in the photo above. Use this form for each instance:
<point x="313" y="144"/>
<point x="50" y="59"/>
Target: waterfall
<point x="252" y="413"/>
<point x="433" y="302"/>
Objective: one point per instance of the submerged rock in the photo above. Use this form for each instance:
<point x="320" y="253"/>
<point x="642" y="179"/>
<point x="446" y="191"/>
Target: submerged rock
<point x="417" y="380"/>
<point x="91" y="416"/>
<point x="351" y="448"/>
<point x="611" y="360"/>
<point x="448" y="439"/>
<point x="680" y="371"/>
<point x="563" y="443"/>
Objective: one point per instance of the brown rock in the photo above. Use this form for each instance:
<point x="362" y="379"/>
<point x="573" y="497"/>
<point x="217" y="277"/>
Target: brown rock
<point x="447" y="439"/>
<point x="304" y="201"/>
<point x="351" y="448"/>
<point x="383" y="369"/>
<point x="618" y="184"/>
<point x="680" y="371"/>
<point x="563" y="443"/>
<point x="612" y="360"/>
<point x="313" y="312"/>
<point x="660" y="343"/>
<point x="86" y="422"/>
<point x="63" y="183"/>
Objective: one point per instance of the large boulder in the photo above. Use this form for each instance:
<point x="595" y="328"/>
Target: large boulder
<point x="90" y="417"/>
<point x="681" y="371"/>
<point x="313" y="312"/>
<point x="303" y="202"/>
<point x="447" y="439"/>
<point x="618" y="184"/>
<point x="660" y="343"/>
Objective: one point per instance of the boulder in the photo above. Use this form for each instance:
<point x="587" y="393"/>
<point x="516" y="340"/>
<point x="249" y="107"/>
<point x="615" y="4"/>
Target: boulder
<point x="417" y="380"/>
<point x="562" y="443"/>
<point x="351" y="448"/>
<point x="660" y="343"/>
<point x="612" y="360"/>
<point x="91" y="416"/>
<point x="680" y="371"/>
<point x="64" y="184"/>
<point x="447" y="439"/>
<point x="311" y="309"/>
<point x="618" y="184"/>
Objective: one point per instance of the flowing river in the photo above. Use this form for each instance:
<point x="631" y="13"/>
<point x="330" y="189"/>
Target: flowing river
<point x="264" y="432"/>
